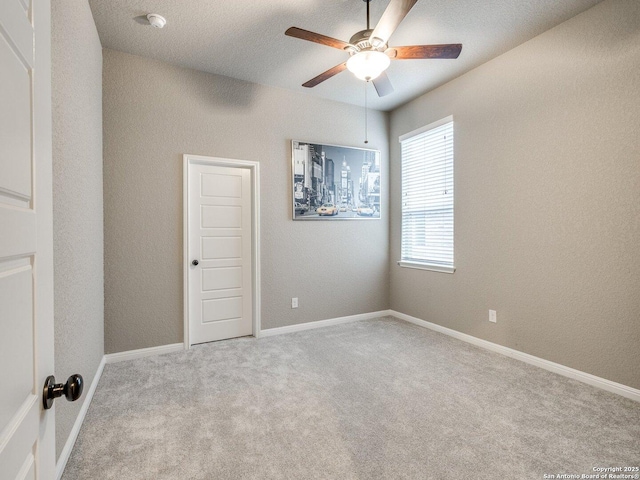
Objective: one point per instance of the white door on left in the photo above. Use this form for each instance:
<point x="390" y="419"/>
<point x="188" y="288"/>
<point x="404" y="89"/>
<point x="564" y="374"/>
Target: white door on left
<point x="27" y="449"/>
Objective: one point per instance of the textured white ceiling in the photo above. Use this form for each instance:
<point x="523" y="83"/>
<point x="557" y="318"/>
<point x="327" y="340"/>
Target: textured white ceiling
<point x="245" y="39"/>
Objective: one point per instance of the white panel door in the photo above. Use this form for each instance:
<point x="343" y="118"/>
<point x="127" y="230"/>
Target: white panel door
<point x="220" y="292"/>
<point x="26" y="241"/>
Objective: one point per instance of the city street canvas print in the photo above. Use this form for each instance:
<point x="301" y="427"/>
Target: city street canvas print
<point x="335" y="183"/>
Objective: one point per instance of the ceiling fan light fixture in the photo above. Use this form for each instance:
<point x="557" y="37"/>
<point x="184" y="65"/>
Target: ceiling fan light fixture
<point x="368" y="65"/>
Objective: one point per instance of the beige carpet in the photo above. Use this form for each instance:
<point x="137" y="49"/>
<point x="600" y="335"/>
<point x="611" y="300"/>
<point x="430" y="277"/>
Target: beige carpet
<point x="379" y="399"/>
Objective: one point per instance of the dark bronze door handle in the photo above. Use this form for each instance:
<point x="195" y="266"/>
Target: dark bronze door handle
<point x="72" y="390"/>
<point x="195" y="262"/>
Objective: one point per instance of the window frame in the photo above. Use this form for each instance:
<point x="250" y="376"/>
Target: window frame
<point x="426" y="264"/>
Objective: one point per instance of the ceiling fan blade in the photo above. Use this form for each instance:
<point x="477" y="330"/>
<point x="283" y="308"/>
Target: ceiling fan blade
<point x="383" y="85"/>
<point x="325" y="75"/>
<point x="414" y="52"/>
<point x="316" y="37"/>
<point x="391" y="18"/>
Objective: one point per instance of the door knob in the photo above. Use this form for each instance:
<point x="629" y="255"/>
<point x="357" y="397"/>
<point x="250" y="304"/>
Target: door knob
<point x="194" y="263"/>
<point x="72" y="390"/>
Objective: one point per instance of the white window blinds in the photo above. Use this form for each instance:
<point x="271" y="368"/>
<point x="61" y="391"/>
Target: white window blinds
<point x="427" y="196"/>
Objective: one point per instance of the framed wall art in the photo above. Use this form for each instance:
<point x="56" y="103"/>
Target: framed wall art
<point x="332" y="182"/>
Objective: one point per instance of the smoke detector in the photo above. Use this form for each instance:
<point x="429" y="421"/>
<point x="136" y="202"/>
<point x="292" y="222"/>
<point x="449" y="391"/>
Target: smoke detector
<point x="155" y="20"/>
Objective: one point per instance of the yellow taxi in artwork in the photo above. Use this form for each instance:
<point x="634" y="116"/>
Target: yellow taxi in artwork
<point x="327" y="209"/>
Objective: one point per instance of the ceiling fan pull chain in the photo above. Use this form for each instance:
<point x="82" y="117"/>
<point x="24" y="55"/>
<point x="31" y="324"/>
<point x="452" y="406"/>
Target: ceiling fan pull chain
<point x="366" y="138"/>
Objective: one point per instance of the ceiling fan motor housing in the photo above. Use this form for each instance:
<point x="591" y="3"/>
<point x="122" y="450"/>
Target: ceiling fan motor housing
<point x="362" y="42"/>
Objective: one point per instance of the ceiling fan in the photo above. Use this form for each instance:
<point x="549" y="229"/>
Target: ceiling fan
<point x="370" y="55"/>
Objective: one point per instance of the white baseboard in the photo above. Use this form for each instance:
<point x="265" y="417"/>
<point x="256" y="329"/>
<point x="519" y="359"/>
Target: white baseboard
<point x="603" y="383"/>
<point x="144" y="352"/>
<point x="323" y="323"/>
<point x="73" y="436"/>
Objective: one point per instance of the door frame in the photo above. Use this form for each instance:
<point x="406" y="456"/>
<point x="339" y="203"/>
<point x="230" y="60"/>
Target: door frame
<point x="254" y="168"/>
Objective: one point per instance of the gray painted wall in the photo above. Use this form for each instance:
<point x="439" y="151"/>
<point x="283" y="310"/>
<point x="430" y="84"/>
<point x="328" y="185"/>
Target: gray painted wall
<point x="547" y="180"/>
<point x="154" y="113"/>
<point x="77" y="201"/>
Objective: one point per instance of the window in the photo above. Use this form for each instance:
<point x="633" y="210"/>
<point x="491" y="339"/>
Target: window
<point x="427" y="197"/>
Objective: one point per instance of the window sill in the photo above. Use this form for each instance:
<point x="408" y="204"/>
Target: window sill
<point x="427" y="266"/>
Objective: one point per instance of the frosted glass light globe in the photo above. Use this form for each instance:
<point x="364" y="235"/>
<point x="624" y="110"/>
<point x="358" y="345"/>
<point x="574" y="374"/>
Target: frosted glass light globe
<point x="368" y="65"/>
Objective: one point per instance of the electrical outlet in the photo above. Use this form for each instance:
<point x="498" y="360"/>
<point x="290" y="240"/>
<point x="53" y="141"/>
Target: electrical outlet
<point x="294" y="302"/>
<point x="492" y="316"/>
